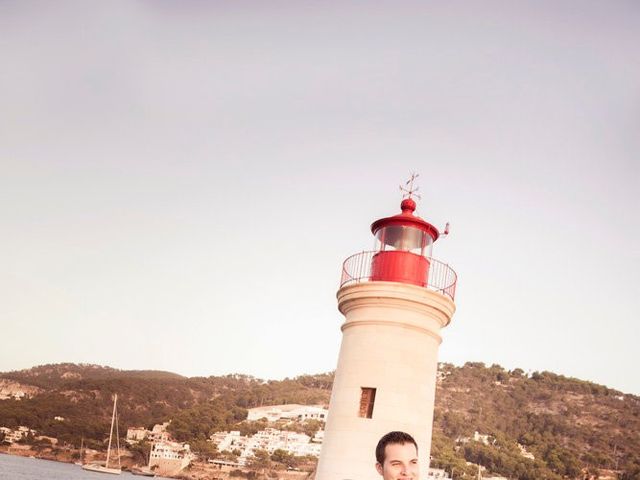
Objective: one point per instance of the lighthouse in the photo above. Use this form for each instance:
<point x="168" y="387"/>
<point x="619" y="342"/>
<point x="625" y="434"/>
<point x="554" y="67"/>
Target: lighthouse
<point x="395" y="300"/>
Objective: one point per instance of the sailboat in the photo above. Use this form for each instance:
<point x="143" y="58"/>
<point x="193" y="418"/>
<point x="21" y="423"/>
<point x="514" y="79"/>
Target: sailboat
<point x="98" y="467"/>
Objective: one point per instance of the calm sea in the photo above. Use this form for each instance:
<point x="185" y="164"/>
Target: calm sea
<point x="13" y="467"/>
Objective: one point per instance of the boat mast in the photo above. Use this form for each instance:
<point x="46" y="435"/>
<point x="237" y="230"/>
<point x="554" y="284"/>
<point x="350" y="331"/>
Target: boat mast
<point x="118" y="441"/>
<point x="113" y="418"/>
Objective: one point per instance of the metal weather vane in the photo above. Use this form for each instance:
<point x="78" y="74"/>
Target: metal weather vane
<point x="408" y="189"/>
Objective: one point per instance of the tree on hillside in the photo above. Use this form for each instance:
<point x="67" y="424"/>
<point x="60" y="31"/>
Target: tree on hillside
<point x="204" y="448"/>
<point x="308" y="427"/>
<point x="260" y="460"/>
<point x="140" y="452"/>
<point x="570" y="425"/>
<point x="285" y="458"/>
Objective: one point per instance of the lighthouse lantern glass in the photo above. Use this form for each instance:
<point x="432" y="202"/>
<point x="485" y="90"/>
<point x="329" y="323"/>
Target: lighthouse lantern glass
<point x="403" y="238"/>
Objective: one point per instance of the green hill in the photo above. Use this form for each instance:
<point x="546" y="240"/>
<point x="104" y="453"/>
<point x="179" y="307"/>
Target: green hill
<point x="572" y="428"/>
<point x="569" y="425"/>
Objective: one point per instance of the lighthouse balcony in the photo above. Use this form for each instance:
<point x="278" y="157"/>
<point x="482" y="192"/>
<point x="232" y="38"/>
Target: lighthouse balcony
<point x="402" y="267"/>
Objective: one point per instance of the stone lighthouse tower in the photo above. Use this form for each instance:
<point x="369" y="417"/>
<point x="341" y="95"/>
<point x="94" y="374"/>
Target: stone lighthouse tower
<point x="395" y="300"/>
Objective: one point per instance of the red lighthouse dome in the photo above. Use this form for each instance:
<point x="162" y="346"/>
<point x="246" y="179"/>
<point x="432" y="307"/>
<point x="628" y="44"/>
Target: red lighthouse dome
<point x="403" y="247"/>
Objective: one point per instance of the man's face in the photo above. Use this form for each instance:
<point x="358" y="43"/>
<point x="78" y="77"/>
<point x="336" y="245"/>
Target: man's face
<point x="400" y="462"/>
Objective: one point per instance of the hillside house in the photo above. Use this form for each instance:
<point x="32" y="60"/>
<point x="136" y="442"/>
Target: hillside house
<point x="12" y="436"/>
<point x="269" y="439"/>
<point x="136" y="434"/>
<point x="437" y="474"/>
<point x="169" y="458"/>
<point x="290" y="411"/>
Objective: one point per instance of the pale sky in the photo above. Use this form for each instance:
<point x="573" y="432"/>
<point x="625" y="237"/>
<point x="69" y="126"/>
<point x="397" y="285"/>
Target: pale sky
<point x="181" y="180"/>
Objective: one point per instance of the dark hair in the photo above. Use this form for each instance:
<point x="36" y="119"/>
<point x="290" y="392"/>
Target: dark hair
<point x="391" y="438"/>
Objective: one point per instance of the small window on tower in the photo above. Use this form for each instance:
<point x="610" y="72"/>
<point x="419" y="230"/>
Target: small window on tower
<point x="367" y="399"/>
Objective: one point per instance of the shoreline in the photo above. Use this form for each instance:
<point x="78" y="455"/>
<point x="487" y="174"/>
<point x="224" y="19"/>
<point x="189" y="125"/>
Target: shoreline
<point x="196" y="471"/>
<point x="64" y="455"/>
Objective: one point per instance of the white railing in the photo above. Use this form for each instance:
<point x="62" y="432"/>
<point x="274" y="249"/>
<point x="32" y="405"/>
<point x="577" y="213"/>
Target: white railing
<point x="442" y="278"/>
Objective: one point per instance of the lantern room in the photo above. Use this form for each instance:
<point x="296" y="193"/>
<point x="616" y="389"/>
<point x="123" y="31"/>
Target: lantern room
<point x="403" y="245"/>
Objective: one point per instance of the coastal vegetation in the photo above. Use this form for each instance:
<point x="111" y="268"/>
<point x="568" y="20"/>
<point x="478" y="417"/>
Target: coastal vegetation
<point x="529" y="426"/>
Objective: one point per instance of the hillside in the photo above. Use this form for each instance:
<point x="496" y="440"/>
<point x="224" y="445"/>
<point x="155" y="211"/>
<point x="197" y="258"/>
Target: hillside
<point x="570" y="426"/>
<point x="198" y="406"/>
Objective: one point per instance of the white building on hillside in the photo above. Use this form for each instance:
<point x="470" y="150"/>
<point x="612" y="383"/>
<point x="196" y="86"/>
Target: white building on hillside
<point x="290" y="411"/>
<point x="269" y="439"/>
<point x="169" y="458"/>
<point x="12" y="436"/>
<point x="318" y="437"/>
<point x="136" y="434"/>
<point x="228" y="441"/>
<point x="159" y="432"/>
<point x="437" y="474"/>
<point x="477" y="437"/>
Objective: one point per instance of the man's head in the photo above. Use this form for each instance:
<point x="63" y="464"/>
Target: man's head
<point x="397" y="457"/>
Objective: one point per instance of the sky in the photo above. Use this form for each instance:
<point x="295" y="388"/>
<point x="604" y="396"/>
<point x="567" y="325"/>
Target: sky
<point x="182" y="180"/>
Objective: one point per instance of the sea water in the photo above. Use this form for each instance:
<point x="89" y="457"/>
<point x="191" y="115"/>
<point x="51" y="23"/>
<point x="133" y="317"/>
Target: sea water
<point x="13" y="467"/>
